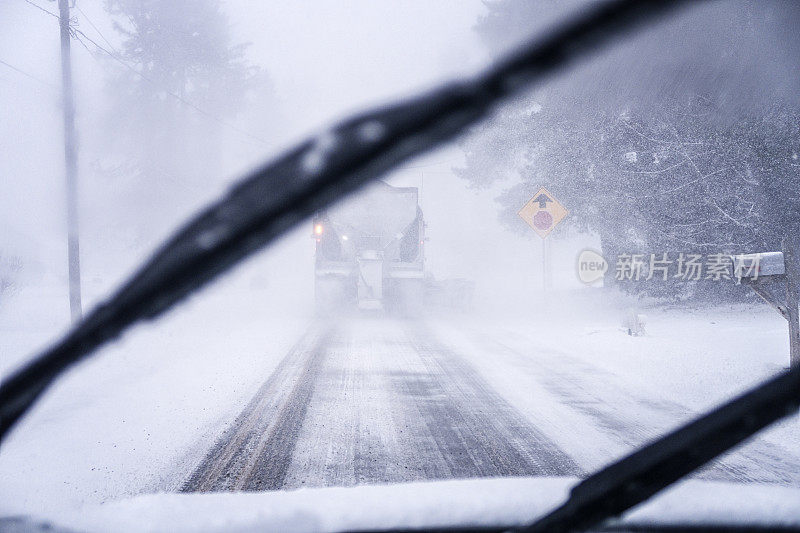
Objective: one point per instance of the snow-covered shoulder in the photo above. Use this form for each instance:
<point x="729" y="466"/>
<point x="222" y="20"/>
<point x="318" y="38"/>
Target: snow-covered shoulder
<point x="453" y="503"/>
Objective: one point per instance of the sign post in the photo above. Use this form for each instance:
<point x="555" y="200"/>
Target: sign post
<point x="771" y="275"/>
<point x="547" y="264"/>
<point x="791" y="256"/>
<point x="543" y="213"/>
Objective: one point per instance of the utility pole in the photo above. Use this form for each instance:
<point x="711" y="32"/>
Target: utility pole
<point x="71" y="163"/>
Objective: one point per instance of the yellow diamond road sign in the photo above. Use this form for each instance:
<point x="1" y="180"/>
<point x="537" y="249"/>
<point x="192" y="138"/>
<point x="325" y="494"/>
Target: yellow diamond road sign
<point x="543" y="212"/>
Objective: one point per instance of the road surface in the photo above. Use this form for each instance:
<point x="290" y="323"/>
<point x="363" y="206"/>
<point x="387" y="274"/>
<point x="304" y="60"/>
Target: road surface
<point x="377" y="401"/>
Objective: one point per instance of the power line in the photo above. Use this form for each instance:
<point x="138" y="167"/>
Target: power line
<point x="83" y="44"/>
<point x="31" y="76"/>
<point x="95" y="27"/>
<point x="40" y="8"/>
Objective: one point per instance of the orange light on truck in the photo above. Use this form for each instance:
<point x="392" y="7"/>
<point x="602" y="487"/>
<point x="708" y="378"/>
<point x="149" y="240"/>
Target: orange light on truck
<point x="318" y="229"/>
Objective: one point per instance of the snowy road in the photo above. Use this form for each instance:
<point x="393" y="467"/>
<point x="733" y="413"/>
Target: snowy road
<point x="389" y="405"/>
<point x="372" y="401"/>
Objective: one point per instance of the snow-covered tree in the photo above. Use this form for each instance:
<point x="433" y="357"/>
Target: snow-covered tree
<point x="183" y="77"/>
<point x="676" y="163"/>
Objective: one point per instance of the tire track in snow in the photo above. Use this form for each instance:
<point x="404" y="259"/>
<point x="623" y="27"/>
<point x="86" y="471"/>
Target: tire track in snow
<point x="477" y="431"/>
<point x="375" y="402"/>
<point x="255" y="450"/>
<point x="633" y="420"/>
<point x="348" y="438"/>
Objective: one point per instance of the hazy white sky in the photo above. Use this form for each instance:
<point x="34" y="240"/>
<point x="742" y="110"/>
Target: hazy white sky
<point x="327" y="57"/>
<point x="324" y="58"/>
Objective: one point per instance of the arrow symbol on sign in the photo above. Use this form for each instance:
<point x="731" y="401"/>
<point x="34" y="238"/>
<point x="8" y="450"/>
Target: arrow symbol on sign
<point x="542" y="199"/>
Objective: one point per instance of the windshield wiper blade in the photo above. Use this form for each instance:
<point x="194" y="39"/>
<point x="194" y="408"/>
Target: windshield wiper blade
<point x="635" y="478"/>
<point x="278" y="196"/>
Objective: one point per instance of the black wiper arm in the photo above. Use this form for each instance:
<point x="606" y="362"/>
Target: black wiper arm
<point x="635" y="478"/>
<point x="312" y="176"/>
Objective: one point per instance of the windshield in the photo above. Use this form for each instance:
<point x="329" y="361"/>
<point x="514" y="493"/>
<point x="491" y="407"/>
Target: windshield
<point x="601" y="259"/>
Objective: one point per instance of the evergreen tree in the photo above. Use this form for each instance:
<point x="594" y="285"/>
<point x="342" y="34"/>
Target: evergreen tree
<point x="184" y="77"/>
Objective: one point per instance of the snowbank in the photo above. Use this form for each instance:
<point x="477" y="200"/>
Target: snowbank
<point x="483" y="502"/>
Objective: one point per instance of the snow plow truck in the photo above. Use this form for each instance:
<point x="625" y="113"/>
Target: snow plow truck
<point x="369" y="252"/>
